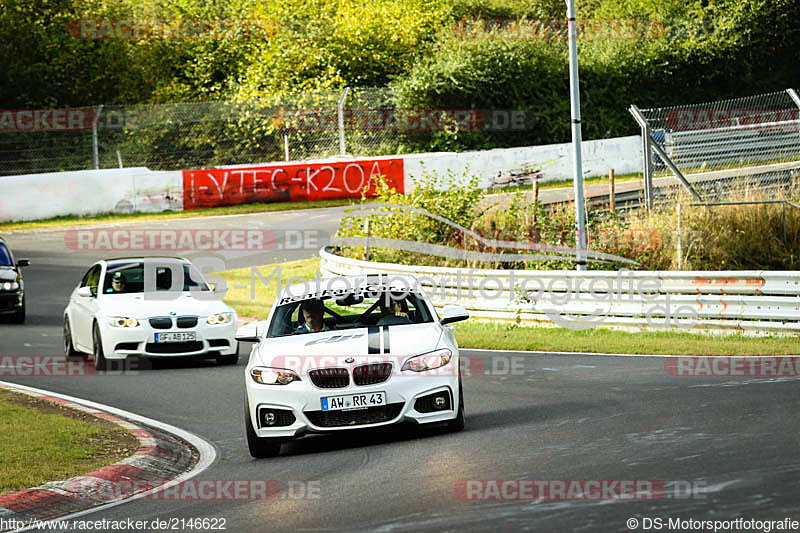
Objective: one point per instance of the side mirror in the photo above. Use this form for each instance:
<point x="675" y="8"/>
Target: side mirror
<point x="85" y="292"/>
<point x="251" y="332"/>
<point x="453" y="313"/>
<point x="23" y="262"/>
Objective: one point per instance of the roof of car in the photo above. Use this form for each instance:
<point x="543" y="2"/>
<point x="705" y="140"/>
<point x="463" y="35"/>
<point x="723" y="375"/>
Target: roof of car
<point x="118" y="260"/>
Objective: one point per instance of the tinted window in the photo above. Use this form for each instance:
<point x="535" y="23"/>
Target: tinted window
<point x="363" y="311"/>
<point x="132" y="276"/>
<point x="5" y="256"/>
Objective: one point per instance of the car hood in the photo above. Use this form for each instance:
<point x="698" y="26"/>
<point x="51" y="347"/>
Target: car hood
<point x="361" y="343"/>
<point x="7" y="274"/>
<point x="137" y="306"/>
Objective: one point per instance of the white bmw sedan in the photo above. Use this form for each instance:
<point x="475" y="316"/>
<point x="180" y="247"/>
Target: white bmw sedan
<point x="350" y="353"/>
<point x="148" y="307"/>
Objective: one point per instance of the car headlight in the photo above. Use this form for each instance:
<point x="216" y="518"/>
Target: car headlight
<point x="123" y="322"/>
<point x="428" y="361"/>
<point x="219" y="318"/>
<point x="273" y="376"/>
<point x="9" y="285"/>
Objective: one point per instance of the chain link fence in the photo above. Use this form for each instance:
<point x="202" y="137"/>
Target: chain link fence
<point x="202" y="134"/>
<point x="720" y="148"/>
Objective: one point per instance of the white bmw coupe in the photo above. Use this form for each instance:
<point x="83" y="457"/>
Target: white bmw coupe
<point x="350" y="353"/>
<point x="148" y="307"/>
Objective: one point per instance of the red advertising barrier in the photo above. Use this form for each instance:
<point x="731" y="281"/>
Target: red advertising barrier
<point x="288" y="183"/>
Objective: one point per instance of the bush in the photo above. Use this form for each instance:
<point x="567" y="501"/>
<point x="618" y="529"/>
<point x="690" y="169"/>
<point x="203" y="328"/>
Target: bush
<point x="740" y="237"/>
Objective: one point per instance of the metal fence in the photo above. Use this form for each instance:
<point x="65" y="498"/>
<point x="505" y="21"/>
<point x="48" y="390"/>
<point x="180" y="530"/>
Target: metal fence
<point x="202" y="134"/>
<point x="717" y="148"/>
<point x="751" y="302"/>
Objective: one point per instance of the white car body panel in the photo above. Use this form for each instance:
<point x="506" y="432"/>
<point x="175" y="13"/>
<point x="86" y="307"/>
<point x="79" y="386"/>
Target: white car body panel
<point x="329" y="349"/>
<point x="83" y="311"/>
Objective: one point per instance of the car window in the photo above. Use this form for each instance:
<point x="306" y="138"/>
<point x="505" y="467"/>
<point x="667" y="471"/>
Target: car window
<point x="132" y="279"/>
<point x="5" y="256"/>
<point x="348" y="313"/>
<point x="91" y="278"/>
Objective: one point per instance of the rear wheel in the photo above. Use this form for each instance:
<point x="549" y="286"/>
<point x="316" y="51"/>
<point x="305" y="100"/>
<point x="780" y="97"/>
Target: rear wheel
<point x="457" y="424"/>
<point x="100" y="361"/>
<point x="69" y="346"/>
<point x="260" y="447"/>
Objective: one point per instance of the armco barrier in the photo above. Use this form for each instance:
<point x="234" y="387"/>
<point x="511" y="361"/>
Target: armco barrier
<point x="751" y="302"/>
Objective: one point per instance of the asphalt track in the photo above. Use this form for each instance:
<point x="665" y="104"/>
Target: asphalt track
<point x="734" y="439"/>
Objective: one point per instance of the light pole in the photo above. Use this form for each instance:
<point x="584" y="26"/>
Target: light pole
<point x="577" y="164"/>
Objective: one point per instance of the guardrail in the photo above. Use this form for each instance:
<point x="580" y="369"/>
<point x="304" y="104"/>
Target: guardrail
<point x="752" y="302"/>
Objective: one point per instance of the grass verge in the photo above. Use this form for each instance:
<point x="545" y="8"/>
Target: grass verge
<point x="506" y="335"/>
<point x="41" y="441"/>
<point x="244" y="209"/>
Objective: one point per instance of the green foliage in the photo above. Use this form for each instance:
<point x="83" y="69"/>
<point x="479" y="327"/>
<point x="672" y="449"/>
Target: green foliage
<point x="742" y="237"/>
<point x="708" y="50"/>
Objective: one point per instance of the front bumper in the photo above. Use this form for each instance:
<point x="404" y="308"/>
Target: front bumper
<point x="303" y="399"/>
<point x="11" y="302"/>
<point x="119" y="343"/>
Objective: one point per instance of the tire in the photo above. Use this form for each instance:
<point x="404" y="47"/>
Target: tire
<point x="457" y="424"/>
<point x="260" y="447"/>
<point x="19" y="316"/>
<point x="100" y="361"/>
<point x="228" y="359"/>
<point x="69" y="347"/>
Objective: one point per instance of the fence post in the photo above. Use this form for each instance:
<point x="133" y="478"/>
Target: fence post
<point x="286" y="146"/>
<point x="646" y="156"/>
<point x="679" y="243"/>
<point x="367" y="230"/>
<point x="342" y="150"/>
<point x="95" y="149"/>
<point x="611" y="191"/>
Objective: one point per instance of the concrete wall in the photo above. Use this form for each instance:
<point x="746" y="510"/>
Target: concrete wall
<point x="623" y="154"/>
<point x="89" y="192"/>
<point x="125" y="190"/>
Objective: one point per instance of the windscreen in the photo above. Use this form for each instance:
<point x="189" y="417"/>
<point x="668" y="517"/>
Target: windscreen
<point x="129" y="278"/>
<point x="348" y="312"/>
<point x="5" y="256"/>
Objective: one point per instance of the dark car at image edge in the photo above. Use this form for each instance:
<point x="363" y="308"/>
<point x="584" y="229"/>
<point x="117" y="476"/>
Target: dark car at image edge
<point x="12" y="288"/>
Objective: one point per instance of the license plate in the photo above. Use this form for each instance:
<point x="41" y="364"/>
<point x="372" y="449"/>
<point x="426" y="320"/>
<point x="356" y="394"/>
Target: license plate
<point x="177" y="336"/>
<point x="353" y="401"/>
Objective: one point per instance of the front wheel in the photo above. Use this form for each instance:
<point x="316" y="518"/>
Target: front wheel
<point x="100" y="361"/>
<point x="260" y="447"/>
<point x="457" y="424"/>
<point x="19" y="316"/>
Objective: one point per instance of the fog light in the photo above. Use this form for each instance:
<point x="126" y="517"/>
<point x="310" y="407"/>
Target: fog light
<point x="440" y="402"/>
<point x="269" y="418"/>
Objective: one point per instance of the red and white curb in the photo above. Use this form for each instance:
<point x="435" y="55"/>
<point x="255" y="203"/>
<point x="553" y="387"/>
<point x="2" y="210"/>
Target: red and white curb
<point x="160" y="462"/>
